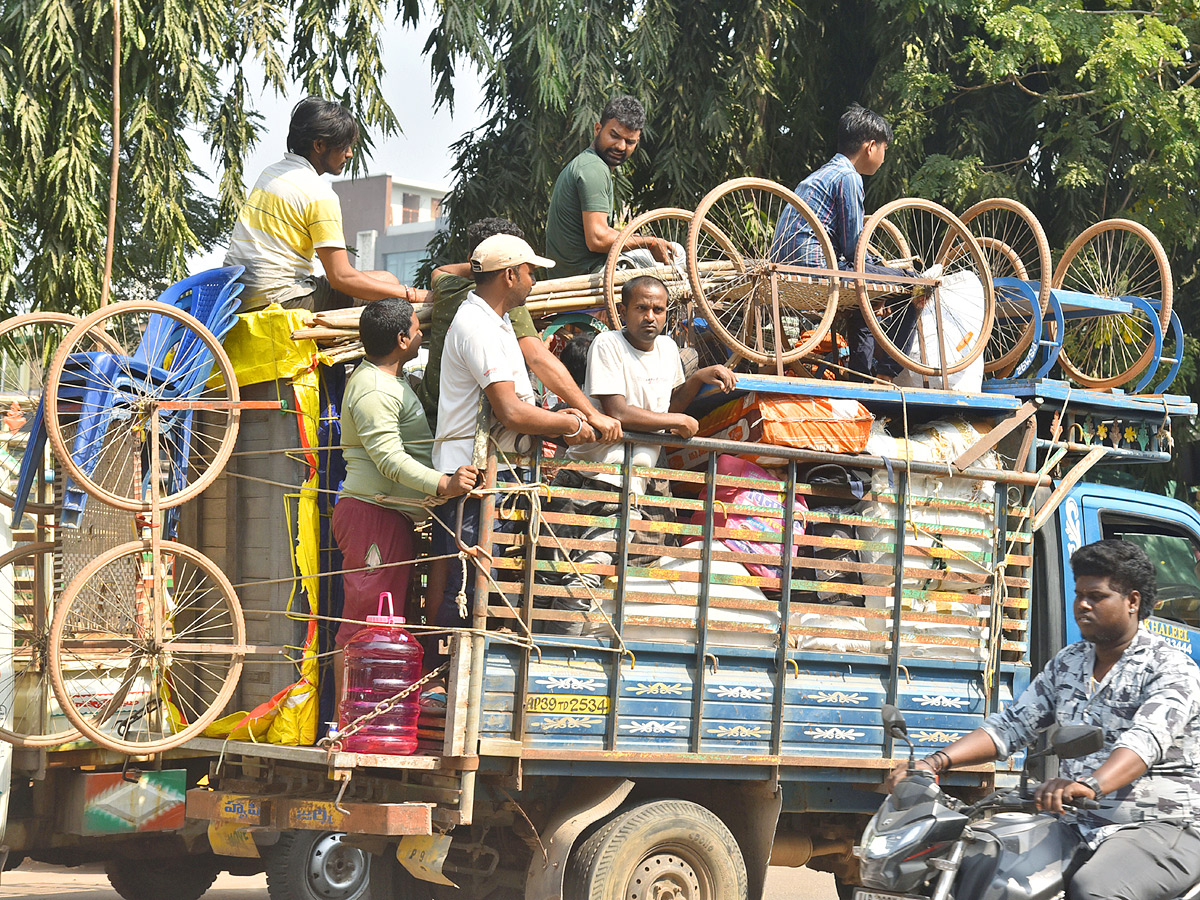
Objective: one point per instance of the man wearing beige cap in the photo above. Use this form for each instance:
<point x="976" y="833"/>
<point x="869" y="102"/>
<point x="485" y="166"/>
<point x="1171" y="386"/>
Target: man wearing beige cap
<point x="481" y="356"/>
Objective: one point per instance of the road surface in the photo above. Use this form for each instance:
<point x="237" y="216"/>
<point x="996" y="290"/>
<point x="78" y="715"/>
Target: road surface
<point x="88" y="883"/>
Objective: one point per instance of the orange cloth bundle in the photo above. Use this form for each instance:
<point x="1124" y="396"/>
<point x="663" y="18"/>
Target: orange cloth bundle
<point x="806" y="423"/>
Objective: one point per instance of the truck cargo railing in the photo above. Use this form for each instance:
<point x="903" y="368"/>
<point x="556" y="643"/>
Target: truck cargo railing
<point x="748" y="575"/>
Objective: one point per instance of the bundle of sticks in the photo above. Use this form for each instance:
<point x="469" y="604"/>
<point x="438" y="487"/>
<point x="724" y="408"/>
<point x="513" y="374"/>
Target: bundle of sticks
<point x="337" y="330"/>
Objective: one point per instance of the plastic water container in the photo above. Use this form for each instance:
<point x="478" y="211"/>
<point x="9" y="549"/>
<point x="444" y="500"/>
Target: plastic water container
<point x="382" y="660"/>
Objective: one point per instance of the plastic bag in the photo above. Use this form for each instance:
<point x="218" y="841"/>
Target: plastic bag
<point x="961" y="300"/>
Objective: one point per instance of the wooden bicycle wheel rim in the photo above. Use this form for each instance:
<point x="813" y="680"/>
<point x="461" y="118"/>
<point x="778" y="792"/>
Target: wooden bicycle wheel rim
<point x="753" y="264"/>
<point x="81" y="639"/>
<point x="64" y="322"/>
<point x="955" y="238"/>
<point x="1037" y="267"/>
<point x="31" y="642"/>
<point x="1150" y="278"/>
<point x="91" y="328"/>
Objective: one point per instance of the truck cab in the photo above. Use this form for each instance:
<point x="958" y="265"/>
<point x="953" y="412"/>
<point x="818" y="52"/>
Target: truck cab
<point x="1167" y="529"/>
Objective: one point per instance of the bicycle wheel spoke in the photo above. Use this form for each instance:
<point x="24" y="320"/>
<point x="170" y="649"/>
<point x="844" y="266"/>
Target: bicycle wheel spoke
<point x="28" y="589"/>
<point x="156" y="643"/>
<point x="1112" y="260"/>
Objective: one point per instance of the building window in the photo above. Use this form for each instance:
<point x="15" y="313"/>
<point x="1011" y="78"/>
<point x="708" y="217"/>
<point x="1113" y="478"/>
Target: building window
<point x="435" y="207"/>
<point x="404" y="265"/>
<point x="411" y="211"/>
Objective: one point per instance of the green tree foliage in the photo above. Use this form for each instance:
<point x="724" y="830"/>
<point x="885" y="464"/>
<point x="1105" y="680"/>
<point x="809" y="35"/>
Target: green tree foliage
<point x="184" y="69"/>
<point x="1082" y="110"/>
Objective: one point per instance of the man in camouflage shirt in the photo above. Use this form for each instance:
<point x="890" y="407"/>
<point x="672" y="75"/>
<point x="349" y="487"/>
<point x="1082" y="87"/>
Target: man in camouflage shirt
<point x="1143" y="842"/>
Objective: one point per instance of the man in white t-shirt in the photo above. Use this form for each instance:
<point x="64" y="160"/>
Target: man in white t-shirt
<point x="635" y="376"/>
<point x="480" y="357"/>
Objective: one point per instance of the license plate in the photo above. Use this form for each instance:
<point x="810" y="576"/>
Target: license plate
<point x="861" y="894"/>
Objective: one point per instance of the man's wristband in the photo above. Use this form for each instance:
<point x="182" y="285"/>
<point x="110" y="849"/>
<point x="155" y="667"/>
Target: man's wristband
<point x="938" y="760"/>
<point x="1093" y="785"/>
<point x="577" y="430"/>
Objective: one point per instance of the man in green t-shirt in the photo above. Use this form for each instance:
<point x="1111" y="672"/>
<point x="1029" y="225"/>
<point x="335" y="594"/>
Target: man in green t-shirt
<point x="451" y="283"/>
<point x="579" y="232"/>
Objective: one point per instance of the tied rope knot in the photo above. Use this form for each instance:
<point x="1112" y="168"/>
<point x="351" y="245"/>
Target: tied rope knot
<point x="461" y="597"/>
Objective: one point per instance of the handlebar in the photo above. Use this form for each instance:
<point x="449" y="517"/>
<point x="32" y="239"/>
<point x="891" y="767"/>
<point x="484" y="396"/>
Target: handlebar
<point x="1026" y="804"/>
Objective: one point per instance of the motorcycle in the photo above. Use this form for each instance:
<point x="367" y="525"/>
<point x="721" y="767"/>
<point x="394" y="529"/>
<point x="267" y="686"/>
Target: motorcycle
<point x="923" y="844"/>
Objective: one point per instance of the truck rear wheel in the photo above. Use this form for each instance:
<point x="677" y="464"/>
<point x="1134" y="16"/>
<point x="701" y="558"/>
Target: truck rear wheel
<point x="659" y="850"/>
<point x="316" y="865"/>
<point x="154" y="879"/>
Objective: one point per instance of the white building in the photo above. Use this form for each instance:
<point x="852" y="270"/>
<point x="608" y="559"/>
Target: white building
<point x="390" y="221"/>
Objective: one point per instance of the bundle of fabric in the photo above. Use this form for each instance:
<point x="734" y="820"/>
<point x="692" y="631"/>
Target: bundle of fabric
<point x="739" y="615"/>
<point x="946" y="544"/>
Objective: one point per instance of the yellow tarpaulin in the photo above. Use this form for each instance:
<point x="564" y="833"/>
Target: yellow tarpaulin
<point x="260" y="348"/>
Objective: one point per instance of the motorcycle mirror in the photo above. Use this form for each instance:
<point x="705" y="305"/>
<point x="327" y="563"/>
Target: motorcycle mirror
<point x="895" y="727"/>
<point x="1074" y="741"/>
<point x="893" y="721"/>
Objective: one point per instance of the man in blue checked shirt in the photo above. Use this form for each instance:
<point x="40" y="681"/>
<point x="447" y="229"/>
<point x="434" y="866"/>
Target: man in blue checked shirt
<point x="834" y="192"/>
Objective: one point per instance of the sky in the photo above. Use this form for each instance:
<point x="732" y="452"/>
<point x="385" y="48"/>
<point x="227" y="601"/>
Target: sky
<point x="421" y="153"/>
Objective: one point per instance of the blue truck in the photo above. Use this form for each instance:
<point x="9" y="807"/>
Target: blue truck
<point x="714" y="707"/>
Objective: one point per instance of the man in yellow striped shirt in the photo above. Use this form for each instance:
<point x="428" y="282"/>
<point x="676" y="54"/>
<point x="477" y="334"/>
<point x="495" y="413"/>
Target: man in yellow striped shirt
<point x="293" y="215"/>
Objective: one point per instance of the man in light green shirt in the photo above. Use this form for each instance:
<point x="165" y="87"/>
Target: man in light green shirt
<point x="388" y="448"/>
<point x="579" y="232"/>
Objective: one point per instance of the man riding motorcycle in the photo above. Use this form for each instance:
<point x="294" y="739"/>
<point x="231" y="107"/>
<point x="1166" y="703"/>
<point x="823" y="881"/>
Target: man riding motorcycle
<point x="1143" y="843"/>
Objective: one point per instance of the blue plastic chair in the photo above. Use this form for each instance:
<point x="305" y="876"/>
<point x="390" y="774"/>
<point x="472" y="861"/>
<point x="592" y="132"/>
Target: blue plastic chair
<point x="170" y="361"/>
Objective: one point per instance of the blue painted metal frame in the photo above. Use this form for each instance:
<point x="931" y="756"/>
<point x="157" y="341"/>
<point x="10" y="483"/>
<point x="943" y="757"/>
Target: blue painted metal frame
<point x="1051" y="344"/>
<point x="870" y="394"/>
<point x="1150" y="311"/>
<point x="1175" y="361"/>
<point x="1065" y="305"/>
<point x="1056" y="393"/>
<point x="1028" y="291"/>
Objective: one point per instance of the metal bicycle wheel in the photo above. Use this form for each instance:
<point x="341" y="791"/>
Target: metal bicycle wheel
<point x="146" y="647"/>
<point x="111" y="459"/>
<point x="28" y="344"/>
<point x="732" y="278"/>
<point x="1113" y="258"/>
<point x="1015" y="245"/>
<point x="925" y="235"/>
<point x="29" y="585"/>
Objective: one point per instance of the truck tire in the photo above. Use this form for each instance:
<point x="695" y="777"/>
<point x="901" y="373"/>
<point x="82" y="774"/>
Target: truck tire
<point x="661" y="848"/>
<point x="316" y="865"/>
<point x="160" y="879"/>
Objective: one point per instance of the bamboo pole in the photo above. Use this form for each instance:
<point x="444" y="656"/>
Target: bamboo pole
<point x="111" y="236"/>
<point x="549" y="297"/>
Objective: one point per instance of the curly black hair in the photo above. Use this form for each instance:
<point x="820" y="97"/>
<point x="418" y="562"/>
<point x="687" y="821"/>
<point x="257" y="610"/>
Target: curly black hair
<point x="1126" y="566"/>
<point x="481" y="230"/>
<point x="626" y="110"/>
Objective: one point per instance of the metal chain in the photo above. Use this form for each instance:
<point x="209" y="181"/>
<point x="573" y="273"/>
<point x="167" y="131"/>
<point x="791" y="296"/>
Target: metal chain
<point x="335" y="745"/>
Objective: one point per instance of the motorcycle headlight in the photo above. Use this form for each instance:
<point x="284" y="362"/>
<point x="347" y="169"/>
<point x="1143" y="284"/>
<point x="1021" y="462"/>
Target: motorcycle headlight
<point x="878" y="845"/>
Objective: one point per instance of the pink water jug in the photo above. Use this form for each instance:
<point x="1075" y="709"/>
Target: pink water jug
<point x="382" y="660"/>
